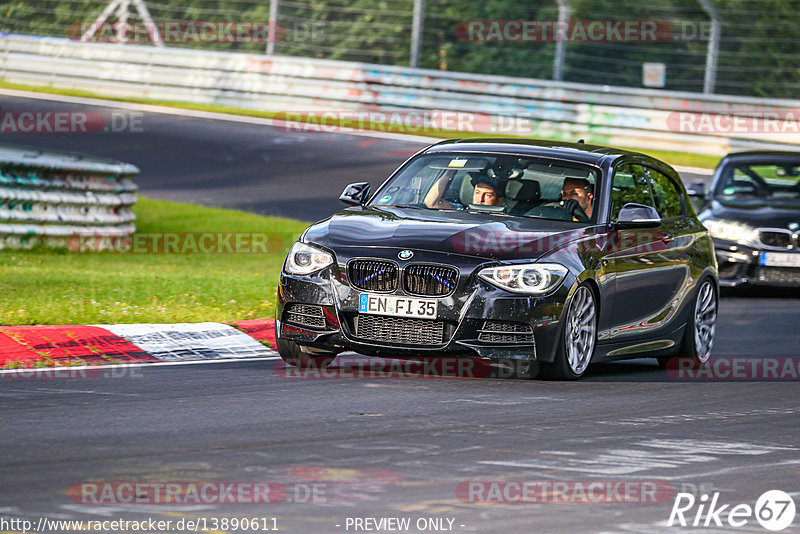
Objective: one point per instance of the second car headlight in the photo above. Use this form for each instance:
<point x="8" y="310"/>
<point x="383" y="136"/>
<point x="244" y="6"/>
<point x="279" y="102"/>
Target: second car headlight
<point x="731" y="231"/>
<point x="305" y="259"/>
<point x="530" y="279"/>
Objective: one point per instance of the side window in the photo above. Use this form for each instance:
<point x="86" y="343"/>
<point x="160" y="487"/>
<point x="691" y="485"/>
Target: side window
<point x="666" y="194"/>
<point x="630" y="185"/>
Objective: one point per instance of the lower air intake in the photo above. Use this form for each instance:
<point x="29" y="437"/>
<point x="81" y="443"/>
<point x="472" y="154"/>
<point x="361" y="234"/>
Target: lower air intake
<point x="399" y="330"/>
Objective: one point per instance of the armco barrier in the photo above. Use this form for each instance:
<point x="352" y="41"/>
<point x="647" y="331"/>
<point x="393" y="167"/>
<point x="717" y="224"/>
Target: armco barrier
<point x="48" y="196"/>
<point x="602" y="114"/>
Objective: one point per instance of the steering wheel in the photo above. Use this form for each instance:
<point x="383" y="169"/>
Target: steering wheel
<point x="564" y="210"/>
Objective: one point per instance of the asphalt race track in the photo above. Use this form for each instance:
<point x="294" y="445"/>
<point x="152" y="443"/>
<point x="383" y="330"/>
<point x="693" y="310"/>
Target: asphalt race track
<point x="383" y="447"/>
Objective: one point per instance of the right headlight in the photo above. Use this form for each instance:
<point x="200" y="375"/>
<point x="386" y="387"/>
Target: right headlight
<point x="731" y="231"/>
<point x="305" y="259"/>
<point x="529" y="278"/>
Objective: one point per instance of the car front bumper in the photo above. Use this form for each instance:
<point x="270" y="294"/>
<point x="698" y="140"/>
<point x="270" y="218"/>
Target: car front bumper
<point x="740" y="265"/>
<point x="464" y="316"/>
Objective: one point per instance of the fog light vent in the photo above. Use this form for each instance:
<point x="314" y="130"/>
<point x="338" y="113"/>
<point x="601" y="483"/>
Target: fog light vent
<point x="505" y="332"/>
<point x="306" y="315"/>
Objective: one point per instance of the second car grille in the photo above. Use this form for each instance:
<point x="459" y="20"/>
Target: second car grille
<point x="399" y="330"/>
<point x="373" y="275"/>
<point x="505" y="332"/>
<point x="430" y="280"/>
<point x="775" y="239"/>
<point x="306" y="315"/>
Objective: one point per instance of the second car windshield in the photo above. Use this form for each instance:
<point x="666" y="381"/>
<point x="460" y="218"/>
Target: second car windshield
<point x="512" y="185"/>
<point x="761" y="180"/>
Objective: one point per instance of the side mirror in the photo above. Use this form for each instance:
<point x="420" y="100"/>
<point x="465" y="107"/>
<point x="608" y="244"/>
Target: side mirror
<point x="697" y="195"/>
<point x="697" y="189"/>
<point x="638" y="216"/>
<point x="355" y="194"/>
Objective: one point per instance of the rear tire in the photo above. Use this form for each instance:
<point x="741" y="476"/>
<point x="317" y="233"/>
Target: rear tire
<point x="291" y="353"/>
<point x="578" y="337"/>
<point x="698" y="336"/>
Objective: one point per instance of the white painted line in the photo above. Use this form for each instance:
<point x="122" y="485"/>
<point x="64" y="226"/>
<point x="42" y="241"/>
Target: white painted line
<point x="29" y="370"/>
<point x="748" y="467"/>
<point x="693" y="170"/>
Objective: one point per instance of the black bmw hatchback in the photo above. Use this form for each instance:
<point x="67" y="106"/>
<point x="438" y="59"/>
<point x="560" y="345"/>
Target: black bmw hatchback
<point x="752" y="210"/>
<point x="507" y="250"/>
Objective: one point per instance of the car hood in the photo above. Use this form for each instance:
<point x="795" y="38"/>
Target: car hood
<point x="755" y="212"/>
<point x="483" y="235"/>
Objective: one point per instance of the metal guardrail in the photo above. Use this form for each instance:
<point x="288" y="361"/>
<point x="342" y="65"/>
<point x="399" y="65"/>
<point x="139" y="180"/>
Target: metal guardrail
<point x="47" y="197"/>
<point x="606" y="115"/>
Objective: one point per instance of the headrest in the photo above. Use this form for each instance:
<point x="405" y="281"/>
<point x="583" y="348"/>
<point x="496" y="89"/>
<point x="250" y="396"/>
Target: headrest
<point x="524" y="190"/>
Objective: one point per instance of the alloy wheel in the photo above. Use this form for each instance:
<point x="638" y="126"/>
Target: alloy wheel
<point x="581" y="326"/>
<point x="705" y="321"/>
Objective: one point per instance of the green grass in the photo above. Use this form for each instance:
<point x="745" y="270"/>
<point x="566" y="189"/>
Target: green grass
<point x="673" y="158"/>
<point x="55" y="286"/>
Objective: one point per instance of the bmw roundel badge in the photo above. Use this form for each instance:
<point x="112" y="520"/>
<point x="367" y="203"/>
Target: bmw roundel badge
<point x="405" y="254"/>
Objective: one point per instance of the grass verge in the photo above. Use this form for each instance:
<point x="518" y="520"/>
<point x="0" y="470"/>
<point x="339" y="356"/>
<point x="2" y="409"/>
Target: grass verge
<point x="673" y="158"/>
<point x="56" y="286"/>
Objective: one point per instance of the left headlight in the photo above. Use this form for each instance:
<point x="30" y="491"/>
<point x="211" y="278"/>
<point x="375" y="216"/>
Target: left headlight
<point x="305" y="259"/>
<point x="530" y="279"/>
<point x="731" y="231"/>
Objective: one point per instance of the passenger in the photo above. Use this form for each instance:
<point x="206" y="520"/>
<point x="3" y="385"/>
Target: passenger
<point x="581" y="190"/>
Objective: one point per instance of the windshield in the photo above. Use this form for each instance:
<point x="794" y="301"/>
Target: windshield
<point x="502" y="184"/>
<point x="760" y="180"/>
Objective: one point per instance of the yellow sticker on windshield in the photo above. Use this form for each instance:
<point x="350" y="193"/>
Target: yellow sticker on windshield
<point x="457" y="163"/>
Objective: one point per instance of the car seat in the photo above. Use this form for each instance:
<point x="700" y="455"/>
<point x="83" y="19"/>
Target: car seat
<point x="522" y="196"/>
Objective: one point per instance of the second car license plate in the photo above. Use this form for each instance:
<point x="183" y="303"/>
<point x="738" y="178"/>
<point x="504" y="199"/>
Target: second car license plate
<point x="400" y="306"/>
<point x="780" y="259"/>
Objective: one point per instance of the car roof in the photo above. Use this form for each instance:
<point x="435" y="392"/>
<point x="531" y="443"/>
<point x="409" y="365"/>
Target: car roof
<point x="579" y="152"/>
<point x="768" y="155"/>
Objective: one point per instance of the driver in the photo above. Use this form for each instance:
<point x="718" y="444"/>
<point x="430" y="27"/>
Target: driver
<point x="487" y="194"/>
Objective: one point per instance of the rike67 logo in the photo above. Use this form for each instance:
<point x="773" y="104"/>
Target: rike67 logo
<point x="774" y="510"/>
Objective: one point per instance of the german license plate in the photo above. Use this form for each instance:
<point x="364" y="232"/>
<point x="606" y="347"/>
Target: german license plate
<point x="780" y="259"/>
<point x="399" y="306"/>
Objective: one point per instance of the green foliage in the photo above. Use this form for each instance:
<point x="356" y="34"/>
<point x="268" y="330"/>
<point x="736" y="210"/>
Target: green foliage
<point x="55" y="286"/>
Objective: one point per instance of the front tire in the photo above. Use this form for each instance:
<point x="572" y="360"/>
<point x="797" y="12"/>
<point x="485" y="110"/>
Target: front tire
<point x="578" y="337"/>
<point x="291" y="353"/>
